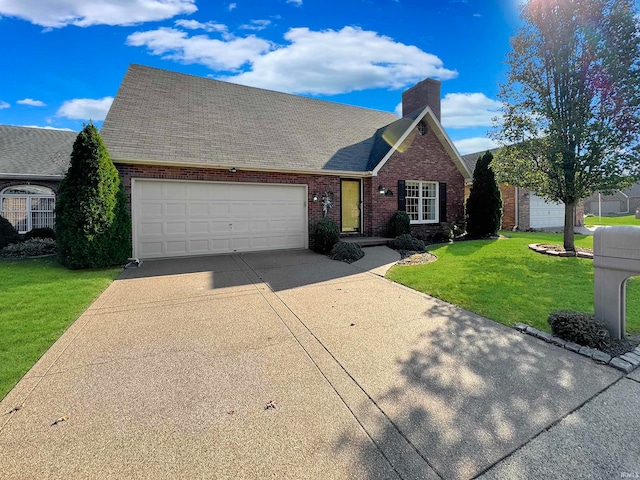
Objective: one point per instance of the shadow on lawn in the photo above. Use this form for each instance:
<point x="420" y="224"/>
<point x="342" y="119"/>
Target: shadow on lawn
<point x="470" y="392"/>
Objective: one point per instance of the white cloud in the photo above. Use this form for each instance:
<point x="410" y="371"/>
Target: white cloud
<point x="207" y="26"/>
<point x="475" y="144"/>
<point x="173" y="44"/>
<point x="48" y="128"/>
<point x="4" y="105"/>
<point x="31" y="102"/>
<point x="297" y="3"/>
<point x="83" y="13"/>
<point x="332" y="62"/>
<point x="398" y="110"/>
<point x="256" y="25"/>
<point x="85" y="108"/>
<point x="464" y="110"/>
<point x="232" y="6"/>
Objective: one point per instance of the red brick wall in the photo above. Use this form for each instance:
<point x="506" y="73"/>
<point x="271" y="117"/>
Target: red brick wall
<point x="426" y="160"/>
<point x="317" y="183"/>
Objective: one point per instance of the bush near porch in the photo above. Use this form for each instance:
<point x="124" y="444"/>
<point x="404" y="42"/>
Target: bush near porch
<point x="505" y="281"/>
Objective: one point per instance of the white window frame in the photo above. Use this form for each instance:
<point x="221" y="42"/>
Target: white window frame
<point x="420" y="197"/>
<point x="29" y="211"/>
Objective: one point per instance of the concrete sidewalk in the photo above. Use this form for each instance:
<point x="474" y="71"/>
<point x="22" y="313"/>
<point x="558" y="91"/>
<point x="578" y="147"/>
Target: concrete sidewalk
<point x="290" y="365"/>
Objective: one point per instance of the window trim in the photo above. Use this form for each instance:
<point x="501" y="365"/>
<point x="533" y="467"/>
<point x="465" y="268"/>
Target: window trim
<point x="420" y="198"/>
<point x="29" y="204"/>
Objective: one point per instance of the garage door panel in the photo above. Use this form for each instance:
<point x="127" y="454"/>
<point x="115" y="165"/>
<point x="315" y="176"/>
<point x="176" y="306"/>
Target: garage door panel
<point x="195" y="218"/>
<point x="545" y="214"/>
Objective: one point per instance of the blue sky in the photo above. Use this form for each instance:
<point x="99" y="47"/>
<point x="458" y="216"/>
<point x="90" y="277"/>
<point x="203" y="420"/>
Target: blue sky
<point x="63" y="60"/>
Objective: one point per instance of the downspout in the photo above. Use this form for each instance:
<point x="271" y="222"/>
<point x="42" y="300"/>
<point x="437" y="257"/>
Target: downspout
<point x="517" y="213"/>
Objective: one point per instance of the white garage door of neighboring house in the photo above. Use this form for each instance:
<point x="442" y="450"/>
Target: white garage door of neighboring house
<point x="180" y="218"/>
<point x="544" y="214"/>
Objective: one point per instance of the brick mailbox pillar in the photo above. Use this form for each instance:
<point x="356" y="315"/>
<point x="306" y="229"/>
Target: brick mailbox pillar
<point x="616" y="257"/>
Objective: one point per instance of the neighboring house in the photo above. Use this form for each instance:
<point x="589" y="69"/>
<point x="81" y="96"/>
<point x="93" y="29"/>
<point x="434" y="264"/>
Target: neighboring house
<point x="522" y="209"/>
<point x="620" y="201"/>
<point x="33" y="161"/>
<point x="214" y="167"/>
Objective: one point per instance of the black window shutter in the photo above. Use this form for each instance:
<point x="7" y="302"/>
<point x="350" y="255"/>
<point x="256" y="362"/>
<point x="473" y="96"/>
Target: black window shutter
<point x="443" y="202"/>
<point x="402" y="204"/>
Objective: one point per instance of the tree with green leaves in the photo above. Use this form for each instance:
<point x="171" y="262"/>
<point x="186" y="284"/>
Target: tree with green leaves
<point x="571" y="102"/>
<point x="93" y="227"/>
<point x="484" y="205"/>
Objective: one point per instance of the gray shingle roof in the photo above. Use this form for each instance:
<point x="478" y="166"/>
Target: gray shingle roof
<point x="34" y="151"/>
<point x="471" y="159"/>
<point x="162" y="116"/>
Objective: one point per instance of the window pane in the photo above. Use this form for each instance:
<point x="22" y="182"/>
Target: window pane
<point x="412" y="208"/>
<point x="27" y="190"/>
<point x="428" y="209"/>
<point x="15" y="210"/>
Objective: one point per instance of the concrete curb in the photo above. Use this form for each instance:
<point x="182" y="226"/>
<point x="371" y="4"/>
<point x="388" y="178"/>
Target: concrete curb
<point x="627" y="362"/>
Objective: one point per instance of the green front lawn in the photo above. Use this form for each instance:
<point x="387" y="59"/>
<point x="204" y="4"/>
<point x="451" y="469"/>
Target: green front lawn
<point x="505" y="281"/>
<point x="612" y="220"/>
<point x="40" y="299"/>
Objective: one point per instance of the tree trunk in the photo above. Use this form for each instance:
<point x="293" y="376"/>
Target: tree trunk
<point x="569" y="244"/>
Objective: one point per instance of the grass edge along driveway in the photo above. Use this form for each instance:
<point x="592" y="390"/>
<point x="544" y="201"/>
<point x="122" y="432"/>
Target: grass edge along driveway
<point x="40" y="299"/>
<point x="505" y="281"/>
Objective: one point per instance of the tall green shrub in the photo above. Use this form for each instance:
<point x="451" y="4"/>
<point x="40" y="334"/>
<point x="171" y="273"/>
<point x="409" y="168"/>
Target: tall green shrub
<point x="326" y="236"/>
<point x="8" y="234"/>
<point x="92" y="224"/>
<point x="484" y="205"/>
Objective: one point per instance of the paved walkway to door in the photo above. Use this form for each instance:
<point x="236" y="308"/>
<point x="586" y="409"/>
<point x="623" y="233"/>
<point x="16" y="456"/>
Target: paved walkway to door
<point x="290" y="365"/>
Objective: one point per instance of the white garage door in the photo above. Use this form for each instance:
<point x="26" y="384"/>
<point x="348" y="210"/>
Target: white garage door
<point x="176" y="218"/>
<point x="544" y="214"/>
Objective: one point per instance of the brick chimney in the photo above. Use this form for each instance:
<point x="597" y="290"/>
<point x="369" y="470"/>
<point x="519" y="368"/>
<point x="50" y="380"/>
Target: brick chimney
<point x="427" y="92"/>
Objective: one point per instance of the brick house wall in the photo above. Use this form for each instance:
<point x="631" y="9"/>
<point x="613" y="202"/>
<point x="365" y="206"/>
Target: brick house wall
<point x="426" y="160"/>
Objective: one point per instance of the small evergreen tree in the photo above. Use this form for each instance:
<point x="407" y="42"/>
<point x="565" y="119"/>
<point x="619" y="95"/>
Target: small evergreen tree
<point x="484" y="205"/>
<point x="92" y="224"/>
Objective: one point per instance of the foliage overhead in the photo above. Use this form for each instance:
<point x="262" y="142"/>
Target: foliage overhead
<point x="571" y="102"/>
<point x="484" y="205"/>
<point x="91" y="218"/>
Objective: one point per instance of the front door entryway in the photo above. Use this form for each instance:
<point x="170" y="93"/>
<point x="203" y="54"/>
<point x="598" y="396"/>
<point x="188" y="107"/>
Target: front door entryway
<point x="350" y="198"/>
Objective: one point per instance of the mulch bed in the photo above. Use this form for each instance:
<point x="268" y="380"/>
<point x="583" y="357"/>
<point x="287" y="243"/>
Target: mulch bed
<point x="559" y="251"/>
<point x="410" y="257"/>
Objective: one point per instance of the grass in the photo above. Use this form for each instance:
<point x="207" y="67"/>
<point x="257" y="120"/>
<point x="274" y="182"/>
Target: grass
<point x="40" y="299"/>
<point x="505" y="281"/>
<point x="612" y="220"/>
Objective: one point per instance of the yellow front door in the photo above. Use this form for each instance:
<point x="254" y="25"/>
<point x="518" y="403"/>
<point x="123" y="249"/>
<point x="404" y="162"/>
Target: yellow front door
<point x="350" y="198"/>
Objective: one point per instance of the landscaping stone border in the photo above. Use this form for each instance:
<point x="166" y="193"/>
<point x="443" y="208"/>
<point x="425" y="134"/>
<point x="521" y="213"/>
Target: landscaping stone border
<point x="539" y="248"/>
<point x="627" y="362"/>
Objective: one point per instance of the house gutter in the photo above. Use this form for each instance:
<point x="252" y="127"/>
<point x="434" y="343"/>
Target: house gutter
<point x="29" y="176"/>
<point x="238" y="167"/>
<point x="517" y="213"/>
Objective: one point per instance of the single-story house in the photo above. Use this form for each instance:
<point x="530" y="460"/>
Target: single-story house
<point x="33" y="161"/>
<point x="522" y="209"/>
<point x="618" y="202"/>
<point x="215" y="167"/>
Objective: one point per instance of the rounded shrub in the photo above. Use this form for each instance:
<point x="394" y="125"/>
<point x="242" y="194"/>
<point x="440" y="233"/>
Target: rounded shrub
<point x="44" y="232"/>
<point x="8" y="234"/>
<point x="580" y="328"/>
<point x="347" y="252"/>
<point x="399" y="224"/>
<point x="407" y="242"/>
<point x="327" y="234"/>
<point x="34" y="247"/>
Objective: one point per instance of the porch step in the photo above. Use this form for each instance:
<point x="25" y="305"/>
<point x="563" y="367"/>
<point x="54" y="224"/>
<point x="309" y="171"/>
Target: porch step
<point x="366" y="241"/>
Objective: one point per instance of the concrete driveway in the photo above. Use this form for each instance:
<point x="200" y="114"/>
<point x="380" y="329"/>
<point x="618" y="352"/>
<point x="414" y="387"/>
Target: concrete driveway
<point x="287" y="365"/>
